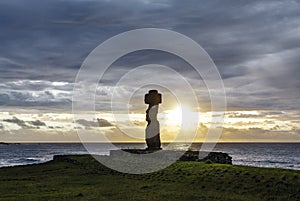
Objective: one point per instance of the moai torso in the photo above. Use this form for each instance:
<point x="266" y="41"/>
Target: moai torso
<point x="153" y="98"/>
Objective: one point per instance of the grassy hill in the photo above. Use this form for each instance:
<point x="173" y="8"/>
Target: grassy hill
<point x="82" y="178"/>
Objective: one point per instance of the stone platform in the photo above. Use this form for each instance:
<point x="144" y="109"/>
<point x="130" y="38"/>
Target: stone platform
<point x="211" y="157"/>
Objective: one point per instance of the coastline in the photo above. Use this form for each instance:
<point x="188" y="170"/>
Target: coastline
<point x="271" y="155"/>
<point x="67" y="155"/>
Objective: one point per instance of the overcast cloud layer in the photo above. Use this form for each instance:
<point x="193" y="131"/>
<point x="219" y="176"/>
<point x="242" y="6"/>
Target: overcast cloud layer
<point x="255" y="46"/>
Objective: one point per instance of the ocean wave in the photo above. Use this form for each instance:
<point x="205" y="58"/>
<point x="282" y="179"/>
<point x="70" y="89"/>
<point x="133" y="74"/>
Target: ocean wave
<point x="23" y="161"/>
<point x="262" y="161"/>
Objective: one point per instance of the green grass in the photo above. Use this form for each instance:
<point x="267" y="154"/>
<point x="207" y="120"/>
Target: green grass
<point x="86" y="179"/>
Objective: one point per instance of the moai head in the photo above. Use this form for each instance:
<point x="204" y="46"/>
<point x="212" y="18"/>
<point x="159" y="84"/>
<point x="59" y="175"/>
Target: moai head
<point x="152" y="98"/>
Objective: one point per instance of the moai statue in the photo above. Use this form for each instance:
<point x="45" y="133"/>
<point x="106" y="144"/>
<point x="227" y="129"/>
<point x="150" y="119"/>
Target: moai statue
<point x="153" y="98"/>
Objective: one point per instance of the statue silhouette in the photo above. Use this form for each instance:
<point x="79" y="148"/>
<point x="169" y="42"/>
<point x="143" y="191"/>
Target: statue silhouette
<point x="153" y="98"/>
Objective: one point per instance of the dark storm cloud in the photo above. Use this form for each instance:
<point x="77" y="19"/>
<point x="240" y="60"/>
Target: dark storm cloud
<point x="43" y="98"/>
<point x="98" y="123"/>
<point x="37" y="123"/>
<point x="87" y="123"/>
<point x="17" y="121"/>
<point x="25" y="124"/>
<point x="104" y="123"/>
<point x="39" y="85"/>
<point x="35" y="93"/>
<point x="255" y="45"/>
<point x="51" y="38"/>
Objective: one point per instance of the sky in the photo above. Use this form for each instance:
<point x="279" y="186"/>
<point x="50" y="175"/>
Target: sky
<point x="255" y="46"/>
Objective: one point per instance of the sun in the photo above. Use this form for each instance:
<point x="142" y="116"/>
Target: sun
<point x="174" y="116"/>
<point x="182" y="116"/>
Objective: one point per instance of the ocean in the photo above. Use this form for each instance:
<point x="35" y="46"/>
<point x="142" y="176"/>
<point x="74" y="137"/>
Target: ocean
<point x="271" y="155"/>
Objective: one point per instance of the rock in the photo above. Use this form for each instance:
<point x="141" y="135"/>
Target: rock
<point x="218" y="157"/>
<point x="213" y="157"/>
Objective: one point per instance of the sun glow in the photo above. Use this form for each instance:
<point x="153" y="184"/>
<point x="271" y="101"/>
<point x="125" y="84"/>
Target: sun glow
<point x="182" y="116"/>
